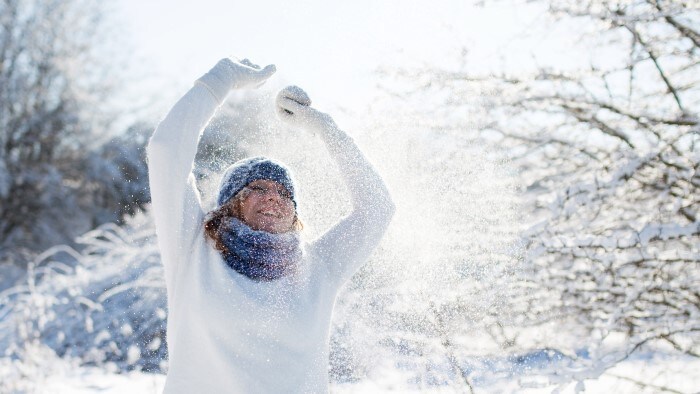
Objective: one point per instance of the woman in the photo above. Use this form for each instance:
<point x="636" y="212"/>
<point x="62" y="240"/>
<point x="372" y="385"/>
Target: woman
<point x="250" y="303"/>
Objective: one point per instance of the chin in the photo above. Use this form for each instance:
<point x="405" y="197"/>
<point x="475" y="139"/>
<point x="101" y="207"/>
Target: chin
<point x="269" y="227"/>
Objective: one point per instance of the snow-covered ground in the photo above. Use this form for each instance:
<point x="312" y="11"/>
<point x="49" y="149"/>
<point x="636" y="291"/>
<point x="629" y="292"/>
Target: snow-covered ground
<point x="103" y="309"/>
<point x="93" y="380"/>
<point x="650" y="374"/>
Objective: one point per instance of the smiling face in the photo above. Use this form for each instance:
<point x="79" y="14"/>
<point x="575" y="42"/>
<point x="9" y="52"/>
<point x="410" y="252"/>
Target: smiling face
<point x="267" y="206"/>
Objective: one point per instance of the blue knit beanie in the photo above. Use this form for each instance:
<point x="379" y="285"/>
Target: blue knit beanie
<point x="242" y="172"/>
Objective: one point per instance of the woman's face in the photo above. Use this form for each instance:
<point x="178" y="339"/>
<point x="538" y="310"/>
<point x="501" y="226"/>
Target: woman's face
<point x="267" y="205"/>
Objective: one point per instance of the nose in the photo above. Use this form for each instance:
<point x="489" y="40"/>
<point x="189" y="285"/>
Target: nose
<point x="273" y="195"/>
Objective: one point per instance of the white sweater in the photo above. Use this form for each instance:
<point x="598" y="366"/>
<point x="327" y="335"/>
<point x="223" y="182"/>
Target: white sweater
<point x="227" y="333"/>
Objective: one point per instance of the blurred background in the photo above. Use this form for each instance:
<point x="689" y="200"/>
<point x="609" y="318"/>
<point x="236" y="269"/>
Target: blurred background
<point x="543" y="155"/>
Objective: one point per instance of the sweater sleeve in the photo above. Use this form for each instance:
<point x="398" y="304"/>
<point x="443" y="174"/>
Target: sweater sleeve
<point x="176" y="203"/>
<point x="346" y="246"/>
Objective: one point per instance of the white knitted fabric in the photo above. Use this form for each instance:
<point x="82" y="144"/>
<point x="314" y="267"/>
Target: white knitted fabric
<point x="227" y="333"/>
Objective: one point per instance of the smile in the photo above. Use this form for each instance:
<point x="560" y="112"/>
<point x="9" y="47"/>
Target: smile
<point x="272" y="214"/>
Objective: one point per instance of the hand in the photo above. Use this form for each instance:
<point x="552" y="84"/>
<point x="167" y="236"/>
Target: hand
<point x="230" y="73"/>
<point x="248" y="74"/>
<point x="294" y="107"/>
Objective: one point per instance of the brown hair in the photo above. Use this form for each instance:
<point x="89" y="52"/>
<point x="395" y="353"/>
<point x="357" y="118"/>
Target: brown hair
<point x="232" y="208"/>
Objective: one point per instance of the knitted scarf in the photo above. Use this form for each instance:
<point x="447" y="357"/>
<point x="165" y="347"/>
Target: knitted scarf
<point x="259" y="255"/>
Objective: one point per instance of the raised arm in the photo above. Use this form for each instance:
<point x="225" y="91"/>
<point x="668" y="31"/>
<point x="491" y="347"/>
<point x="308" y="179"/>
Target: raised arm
<point x="348" y="244"/>
<point x="175" y="200"/>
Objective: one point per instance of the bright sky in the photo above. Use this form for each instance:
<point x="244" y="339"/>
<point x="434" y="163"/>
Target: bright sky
<point x="328" y="48"/>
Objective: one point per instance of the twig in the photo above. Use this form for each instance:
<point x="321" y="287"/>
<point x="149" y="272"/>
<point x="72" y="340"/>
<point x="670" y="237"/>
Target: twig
<point x="655" y="60"/>
<point x="642" y="384"/>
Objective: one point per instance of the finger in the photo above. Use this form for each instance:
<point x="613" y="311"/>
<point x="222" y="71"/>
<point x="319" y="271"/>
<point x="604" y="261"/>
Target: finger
<point x="295" y="93"/>
<point x="248" y="63"/>
<point x="291" y="106"/>
<point x="287" y="110"/>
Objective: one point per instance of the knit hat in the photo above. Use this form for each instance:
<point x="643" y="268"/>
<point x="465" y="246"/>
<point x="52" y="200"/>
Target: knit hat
<point x="242" y="172"/>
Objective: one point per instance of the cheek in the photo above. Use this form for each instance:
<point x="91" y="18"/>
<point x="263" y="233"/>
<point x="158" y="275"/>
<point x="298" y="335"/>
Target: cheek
<point x="247" y="209"/>
<point x="289" y="214"/>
